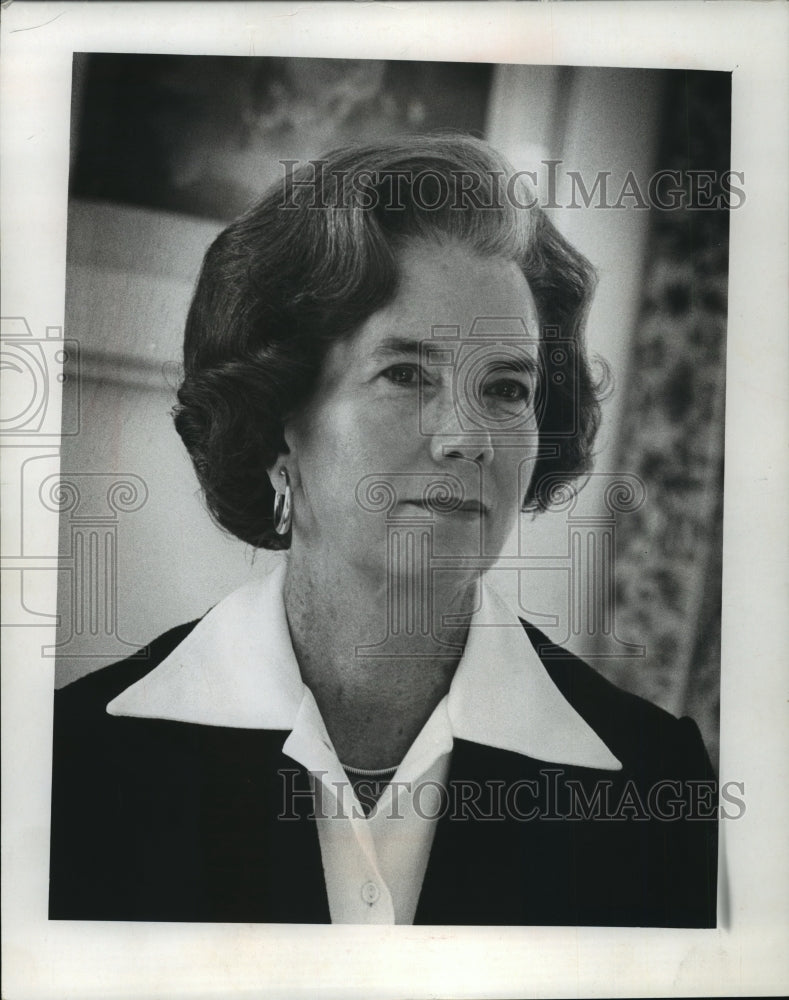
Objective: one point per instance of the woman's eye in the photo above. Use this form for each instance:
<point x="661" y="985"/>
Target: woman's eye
<point x="508" y="389"/>
<point x="402" y="374"/>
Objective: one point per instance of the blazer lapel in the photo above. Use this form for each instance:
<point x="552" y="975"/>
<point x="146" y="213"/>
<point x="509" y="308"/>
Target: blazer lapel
<point x="260" y="840"/>
<point x="504" y="852"/>
<point x="477" y="870"/>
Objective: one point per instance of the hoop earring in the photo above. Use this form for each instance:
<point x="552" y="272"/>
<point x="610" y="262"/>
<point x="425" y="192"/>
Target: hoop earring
<point x="283" y="507"/>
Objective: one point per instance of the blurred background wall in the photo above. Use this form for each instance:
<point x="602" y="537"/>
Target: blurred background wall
<point x="166" y="149"/>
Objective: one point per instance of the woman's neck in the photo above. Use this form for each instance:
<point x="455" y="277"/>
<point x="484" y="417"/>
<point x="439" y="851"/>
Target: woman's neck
<point x="374" y="701"/>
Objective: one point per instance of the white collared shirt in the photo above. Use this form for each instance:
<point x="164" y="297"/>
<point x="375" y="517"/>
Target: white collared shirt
<point x="237" y="669"/>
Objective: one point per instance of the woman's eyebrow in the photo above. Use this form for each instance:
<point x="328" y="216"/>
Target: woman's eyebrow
<point x="399" y="345"/>
<point x="424" y="348"/>
<point x="525" y="363"/>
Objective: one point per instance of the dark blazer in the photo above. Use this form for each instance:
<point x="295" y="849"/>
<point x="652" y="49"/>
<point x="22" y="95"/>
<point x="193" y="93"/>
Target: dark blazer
<point x="160" y="820"/>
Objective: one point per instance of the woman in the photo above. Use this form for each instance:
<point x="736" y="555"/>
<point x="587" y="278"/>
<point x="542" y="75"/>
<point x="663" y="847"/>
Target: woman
<point x="372" y="382"/>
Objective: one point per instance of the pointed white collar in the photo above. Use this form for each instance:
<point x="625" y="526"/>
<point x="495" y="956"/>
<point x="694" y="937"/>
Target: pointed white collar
<point x="237" y="669"/>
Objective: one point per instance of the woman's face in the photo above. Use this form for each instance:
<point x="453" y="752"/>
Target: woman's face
<point x="433" y="396"/>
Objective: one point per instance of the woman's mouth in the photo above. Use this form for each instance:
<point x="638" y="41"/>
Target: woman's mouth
<point x="450" y="505"/>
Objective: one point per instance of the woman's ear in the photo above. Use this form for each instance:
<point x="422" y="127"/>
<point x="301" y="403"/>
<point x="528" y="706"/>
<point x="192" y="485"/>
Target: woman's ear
<point x="284" y="460"/>
<point x="286" y="464"/>
<point x="287" y="460"/>
<point x="280" y="473"/>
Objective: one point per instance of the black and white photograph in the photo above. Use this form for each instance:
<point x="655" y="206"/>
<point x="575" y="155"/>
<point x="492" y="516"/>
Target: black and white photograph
<point x="385" y="385"/>
<point x="384" y="447"/>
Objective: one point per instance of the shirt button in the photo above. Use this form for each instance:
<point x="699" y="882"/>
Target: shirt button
<point x="370" y="893"/>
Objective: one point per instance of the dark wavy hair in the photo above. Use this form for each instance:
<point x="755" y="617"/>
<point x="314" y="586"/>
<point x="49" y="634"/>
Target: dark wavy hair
<point x="311" y="261"/>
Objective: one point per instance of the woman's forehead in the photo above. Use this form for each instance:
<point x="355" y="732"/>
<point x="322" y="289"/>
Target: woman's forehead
<point x="449" y="289"/>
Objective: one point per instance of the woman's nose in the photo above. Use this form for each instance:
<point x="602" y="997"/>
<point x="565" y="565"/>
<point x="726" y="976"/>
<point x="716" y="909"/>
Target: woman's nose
<point x="477" y="451"/>
<point x="454" y="438"/>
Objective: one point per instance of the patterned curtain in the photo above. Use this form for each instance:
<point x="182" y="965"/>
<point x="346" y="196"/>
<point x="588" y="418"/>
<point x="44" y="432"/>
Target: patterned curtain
<point x="669" y="557"/>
